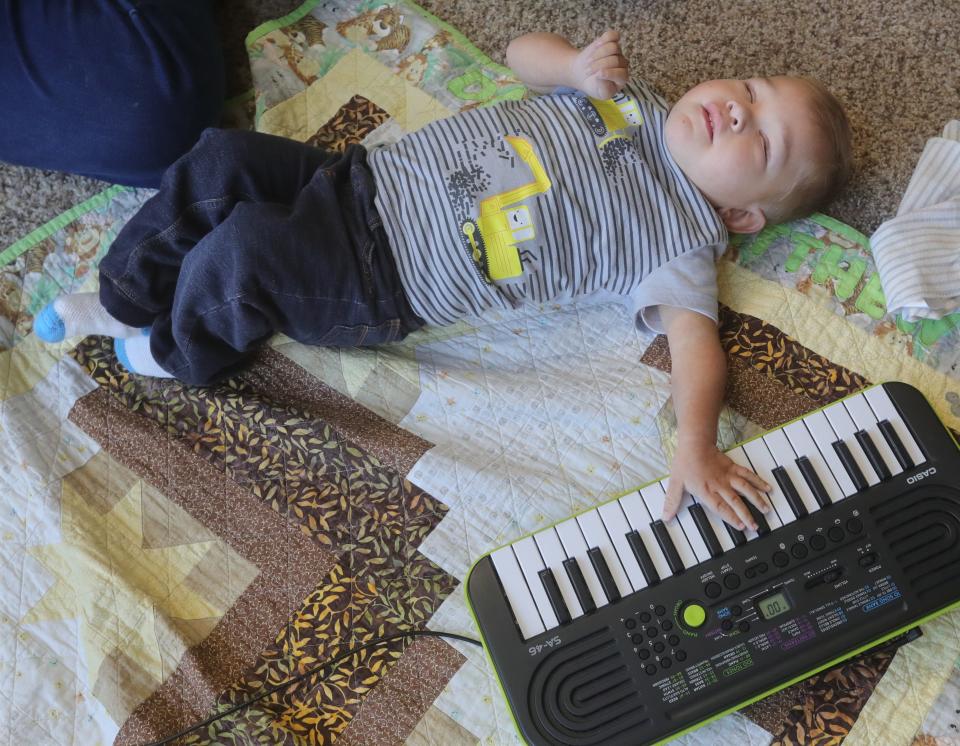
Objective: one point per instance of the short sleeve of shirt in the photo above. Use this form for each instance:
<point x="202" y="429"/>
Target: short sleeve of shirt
<point x="689" y="281"/>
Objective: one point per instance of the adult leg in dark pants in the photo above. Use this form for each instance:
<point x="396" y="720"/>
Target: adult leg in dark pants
<point x="113" y="89"/>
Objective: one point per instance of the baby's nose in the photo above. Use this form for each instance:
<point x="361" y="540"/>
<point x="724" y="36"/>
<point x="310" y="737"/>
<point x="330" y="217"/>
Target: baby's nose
<point x="737" y="115"/>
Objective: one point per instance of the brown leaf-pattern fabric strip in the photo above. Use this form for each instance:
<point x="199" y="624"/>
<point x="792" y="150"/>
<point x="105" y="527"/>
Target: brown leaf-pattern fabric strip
<point x="332" y="493"/>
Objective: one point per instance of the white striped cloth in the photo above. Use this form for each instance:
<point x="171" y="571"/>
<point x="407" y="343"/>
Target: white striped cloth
<point x="918" y="252"/>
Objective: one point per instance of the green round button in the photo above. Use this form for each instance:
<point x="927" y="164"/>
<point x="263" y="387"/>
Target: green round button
<point x="694" y="615"/>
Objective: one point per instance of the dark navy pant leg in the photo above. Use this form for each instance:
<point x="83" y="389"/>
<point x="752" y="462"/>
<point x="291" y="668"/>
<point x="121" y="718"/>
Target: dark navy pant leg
<point x="319" y="270"/>
<point x="113" y="89"/>
<point x="139" y="274"/>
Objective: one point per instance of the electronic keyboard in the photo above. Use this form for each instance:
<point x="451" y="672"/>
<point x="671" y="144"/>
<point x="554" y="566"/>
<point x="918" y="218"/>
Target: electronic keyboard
<point x="614" y="627"/>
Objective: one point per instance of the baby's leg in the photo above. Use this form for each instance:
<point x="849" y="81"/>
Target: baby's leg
<point x="138" y="276"/>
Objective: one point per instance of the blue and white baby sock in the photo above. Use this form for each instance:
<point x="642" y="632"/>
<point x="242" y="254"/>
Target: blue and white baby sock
<point x="78" y="314"/>
<point x="134" y="354"/>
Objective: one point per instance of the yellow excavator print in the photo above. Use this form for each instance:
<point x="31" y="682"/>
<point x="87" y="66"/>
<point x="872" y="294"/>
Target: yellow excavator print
<point x="503" y="222"/>
<point x="611" y="116"/>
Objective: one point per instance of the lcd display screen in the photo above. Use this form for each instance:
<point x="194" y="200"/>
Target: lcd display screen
<point x="774" y="605"/>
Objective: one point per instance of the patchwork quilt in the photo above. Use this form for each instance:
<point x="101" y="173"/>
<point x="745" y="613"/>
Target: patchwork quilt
<point x="167" y="552"/>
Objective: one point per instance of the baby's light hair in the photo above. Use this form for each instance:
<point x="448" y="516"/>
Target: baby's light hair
<point x="827" y="170"/>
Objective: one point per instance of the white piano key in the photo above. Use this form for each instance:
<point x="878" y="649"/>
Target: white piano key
<point x="823" y="435"/>
<point x="654" y="496"/>
<point x="884" y="408"/>
<point x="531" y="563"/>
<point x="639" y="518"/>
<point x="784" y="455"/>
<point x="690" y="529"/>
<point x="719" y="527"/>
<point x="739" y="456"/>
<point x="518" y="594"/>
<point x="804" y="445"/>
<point x="597" y="536"/>
<point x="846" y="431"/>
<point x="576" y="547"/>
<point x="866" y="420"/>
<point x="553" y="556"/>
<point x="763" y="464"/>
<point x="617" y="527"/>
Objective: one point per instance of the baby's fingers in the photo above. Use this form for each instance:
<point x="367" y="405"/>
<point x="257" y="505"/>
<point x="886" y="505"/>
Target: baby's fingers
<point x="751" y="492"/>
<point x="733" y="500"/>
<point x="722" y="509"/>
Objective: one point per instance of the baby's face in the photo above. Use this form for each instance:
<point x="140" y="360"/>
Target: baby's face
<point x="742" y="142"/>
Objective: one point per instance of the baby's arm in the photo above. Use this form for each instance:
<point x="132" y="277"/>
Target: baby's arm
<point x="698" y="377"/>
<point x="546" y="61"/>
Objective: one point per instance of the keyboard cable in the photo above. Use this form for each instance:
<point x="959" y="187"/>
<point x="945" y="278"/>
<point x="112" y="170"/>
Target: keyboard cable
<point x="311" y="672"/>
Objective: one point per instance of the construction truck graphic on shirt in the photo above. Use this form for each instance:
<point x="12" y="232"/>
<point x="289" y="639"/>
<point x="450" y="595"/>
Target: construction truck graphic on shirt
<point x="611" y="118"/>
<point x="504" y="222"/>
<point x="493" y="229"/>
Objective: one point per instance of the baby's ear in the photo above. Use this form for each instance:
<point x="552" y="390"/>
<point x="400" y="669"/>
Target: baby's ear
<point x="750" y="220"/>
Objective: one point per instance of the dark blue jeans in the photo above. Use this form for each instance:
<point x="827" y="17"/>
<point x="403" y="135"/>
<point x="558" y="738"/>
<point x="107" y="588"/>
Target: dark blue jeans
<point x="114" y="89"/>
<point x="250" y="235"/>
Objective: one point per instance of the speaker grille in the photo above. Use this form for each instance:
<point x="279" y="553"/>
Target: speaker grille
<point x="583" y="693"/>
<point x="922" y="529"/>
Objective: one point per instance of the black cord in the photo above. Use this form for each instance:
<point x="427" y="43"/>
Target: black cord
<point x="316" y="669"/>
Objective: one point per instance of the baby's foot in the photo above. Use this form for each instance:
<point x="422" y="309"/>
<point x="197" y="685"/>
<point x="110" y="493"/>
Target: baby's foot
<point x="75" y="315"/>
<point x="134" y="355"/>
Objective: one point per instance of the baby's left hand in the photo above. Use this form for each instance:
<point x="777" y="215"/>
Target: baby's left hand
<point x="717" y="482"/>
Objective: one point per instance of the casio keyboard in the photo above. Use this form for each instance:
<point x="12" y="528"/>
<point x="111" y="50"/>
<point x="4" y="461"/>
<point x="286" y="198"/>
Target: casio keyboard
<point x="613" y="627"/>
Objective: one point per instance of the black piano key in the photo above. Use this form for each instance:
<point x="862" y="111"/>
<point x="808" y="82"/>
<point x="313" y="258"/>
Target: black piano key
<point x="554" y="595"/>
<point x="763" y="528"/>
<point x="607" y="582"/>
<point x="846" y="458"/>
<point x="579" y="584"/>
<point x="667" y="547"/>
<point x="736" y="535"/>
<point x="789" y="491"/>
<point x="642" y="556"/>
<point x="706" y="530"/>
<point x="896" y="445"/>
<point x="873" y="455"/>
<point x="812" y="479"/>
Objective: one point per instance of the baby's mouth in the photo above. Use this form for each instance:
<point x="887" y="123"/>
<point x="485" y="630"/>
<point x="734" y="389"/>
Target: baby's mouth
<point x="708" y="123"/>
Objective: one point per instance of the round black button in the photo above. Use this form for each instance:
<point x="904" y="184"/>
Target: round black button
<point x="680" y="655"/>
<point x="731" y="580"/>
<point x="854" y="525"/>
<point x="666" y="662"/>
<point x="636" y="639"/>
<point x="835" y="533"/>
<point x="712" y="589"/>
<point x="660" y="610"/>
<point x="666" y="625"/>
<point x="762" y="568"/>
<point x="750" y="572"/>
<point x="630" y="623"/>
<point x="643" y="653"/>
<point x="652" y="631"/>
<point x="818" y="542"/>
<point x="736" y="609"/>
<point x="645" y="616"/>
<point x="673" y="640"/>
<point x="799" y="550"/>
<point x="781" y="559"/>
<point x="726" y="625"/>
<point x="658" y="647"/>
<point x="650" y="669"/>
<point x="744" y="626"/>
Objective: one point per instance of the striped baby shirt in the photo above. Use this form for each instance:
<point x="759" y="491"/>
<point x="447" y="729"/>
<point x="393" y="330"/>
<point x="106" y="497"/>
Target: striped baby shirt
<point x="546" y="199"/>
<point x="918" y="251"/>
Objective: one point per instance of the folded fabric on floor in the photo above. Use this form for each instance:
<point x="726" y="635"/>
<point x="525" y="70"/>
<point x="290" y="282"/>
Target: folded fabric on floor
<point x="918" y="251"/>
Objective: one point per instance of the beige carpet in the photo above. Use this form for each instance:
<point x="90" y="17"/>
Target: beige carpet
<point x="894" y="64"/>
